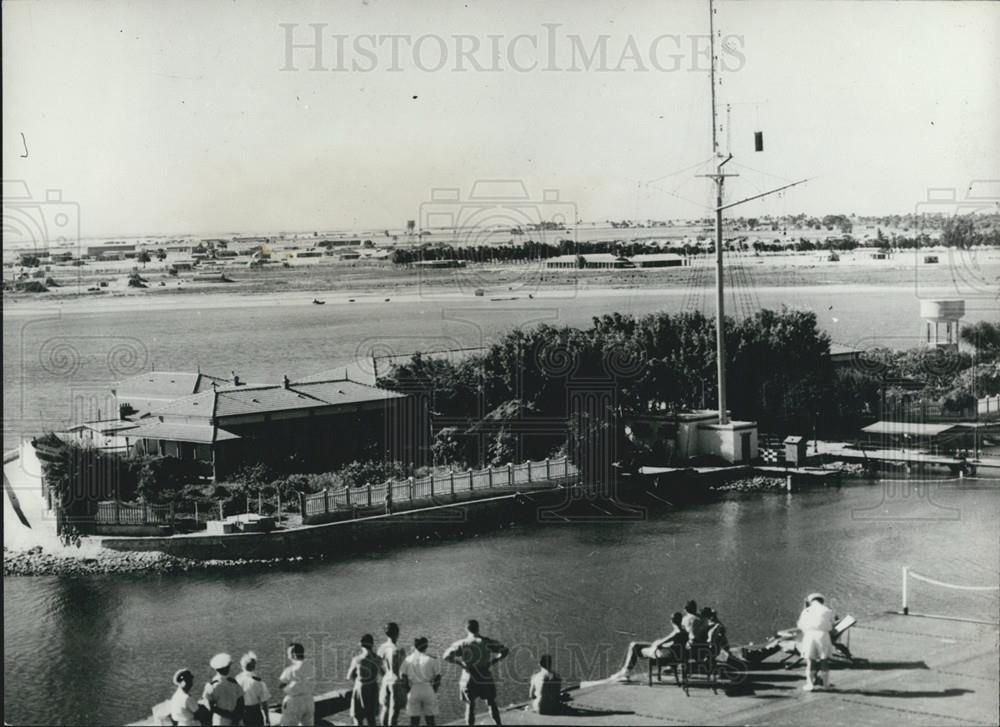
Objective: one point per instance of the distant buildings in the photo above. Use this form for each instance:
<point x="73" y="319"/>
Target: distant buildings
<point x="110" y="251"/>
<point x="606" y="260"/>
<point x="659" y="260"/>
<point x="599" y="260"/>
<point x="446" y="263"/>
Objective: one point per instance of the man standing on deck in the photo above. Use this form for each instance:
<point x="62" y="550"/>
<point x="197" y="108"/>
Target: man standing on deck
<point x="393" y="695"/>
<point x="475" y="654"/>
<point x="545" y="689"/>
<point x="255" y="693"/>
<point x="422" y="675"/>
<point x="365" y="671"/>
<point x="298" y="706"/>
<point x="223" y="696"/>
<point x="816" y="622"/>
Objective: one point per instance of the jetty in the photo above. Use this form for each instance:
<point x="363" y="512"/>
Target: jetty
<point x="894" y="456"/>
<point x="916" y="670"/>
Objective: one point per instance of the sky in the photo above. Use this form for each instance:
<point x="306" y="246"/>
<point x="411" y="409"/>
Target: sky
<point x="202" y="116"/>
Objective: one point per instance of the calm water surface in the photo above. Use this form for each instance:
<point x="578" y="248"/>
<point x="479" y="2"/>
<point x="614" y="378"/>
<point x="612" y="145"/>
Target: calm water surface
<point x="102" y="650"/>
<point x="58" y="367"/>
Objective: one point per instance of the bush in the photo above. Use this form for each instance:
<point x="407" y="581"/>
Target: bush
<point x="161" y="479"/>
<point x="359" y="474"/>
<point x="82" y="476"/>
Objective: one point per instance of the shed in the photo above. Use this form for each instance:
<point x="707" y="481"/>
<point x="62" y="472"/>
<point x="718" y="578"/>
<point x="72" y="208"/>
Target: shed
<point x="795" y="450"/>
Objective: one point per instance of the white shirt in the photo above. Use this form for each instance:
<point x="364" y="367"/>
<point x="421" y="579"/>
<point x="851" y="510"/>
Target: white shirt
<point x="420" y="668"/>
<point x="392" y="656"/>
<point x="254" y="689"/>
<point x="297" y="679"/>
<point x="816" y="617"/>
<point x="183" y="705"/>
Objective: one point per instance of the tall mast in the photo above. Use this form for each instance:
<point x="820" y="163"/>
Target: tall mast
<point x="719" y="178"/>
<point x="711" y="40"/>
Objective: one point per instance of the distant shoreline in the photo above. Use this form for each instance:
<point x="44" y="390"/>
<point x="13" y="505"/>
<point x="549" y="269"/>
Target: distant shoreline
<point x="385" y="283"/>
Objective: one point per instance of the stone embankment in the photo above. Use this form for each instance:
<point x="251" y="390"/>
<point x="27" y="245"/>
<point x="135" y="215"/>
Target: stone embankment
<point x="38" y="562"/>
<point x="750" y="484"/>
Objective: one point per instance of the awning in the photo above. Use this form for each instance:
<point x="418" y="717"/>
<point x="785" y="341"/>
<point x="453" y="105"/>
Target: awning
<point x="178" y="432"/>
<point x="914" y="429"/>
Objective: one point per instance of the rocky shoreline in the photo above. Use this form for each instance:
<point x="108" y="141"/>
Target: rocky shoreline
<point x="90" y="561"/>
<point x="39" y="562"/>
<point x="750" y="484"/>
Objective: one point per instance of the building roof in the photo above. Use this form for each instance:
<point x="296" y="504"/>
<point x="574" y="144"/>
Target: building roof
<point x="164" y="385"/>
<point x="590" y="257"/>
<point x="914" y="429"/>
<point x="653" y="257"/>
<point x="344" y="391"/>
<point x="105" y="426"/>
<point x="236" y="401"/>
<point x="181" y="432"/>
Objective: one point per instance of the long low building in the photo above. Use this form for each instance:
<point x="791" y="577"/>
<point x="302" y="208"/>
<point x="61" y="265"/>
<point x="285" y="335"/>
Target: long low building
<point x="590" y="261"/>
<point x="659" y="260"/>
<point x="605" y="260"/>
<point x="228" y="424"/>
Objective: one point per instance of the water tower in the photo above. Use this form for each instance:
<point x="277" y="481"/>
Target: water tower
<point x="941" y="321"/>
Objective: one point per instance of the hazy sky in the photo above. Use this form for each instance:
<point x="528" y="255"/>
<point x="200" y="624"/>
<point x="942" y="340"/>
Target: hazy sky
<point x="177" y="117"/>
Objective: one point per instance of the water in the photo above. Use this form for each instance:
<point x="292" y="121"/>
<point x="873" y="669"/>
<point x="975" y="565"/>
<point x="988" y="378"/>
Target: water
<point x="58" y="367"/>
<point x="102" y="649"/>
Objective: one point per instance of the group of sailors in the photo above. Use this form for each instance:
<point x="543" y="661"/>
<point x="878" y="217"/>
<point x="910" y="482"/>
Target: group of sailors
<point x="386" y="680"/>
<point x="244" y="699"/>
<point x="690" y="627"/>
<point x="696" y="635"/>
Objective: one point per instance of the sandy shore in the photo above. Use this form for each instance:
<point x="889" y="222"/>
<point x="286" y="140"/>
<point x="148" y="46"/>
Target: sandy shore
<point x="508" y="283"/>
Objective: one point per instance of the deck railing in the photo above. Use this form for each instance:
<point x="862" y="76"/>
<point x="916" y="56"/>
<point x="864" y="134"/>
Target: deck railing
<point x="543" y="473"/>
<point x="129" y="513"/>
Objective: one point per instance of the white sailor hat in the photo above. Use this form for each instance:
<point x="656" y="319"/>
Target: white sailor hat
<point x="814" y="597"/>
<point x="247" y="658"/>
<point x="220" y="661"/>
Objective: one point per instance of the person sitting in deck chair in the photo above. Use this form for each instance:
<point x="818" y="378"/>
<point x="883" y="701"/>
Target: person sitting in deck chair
<point x="670" y="646"/>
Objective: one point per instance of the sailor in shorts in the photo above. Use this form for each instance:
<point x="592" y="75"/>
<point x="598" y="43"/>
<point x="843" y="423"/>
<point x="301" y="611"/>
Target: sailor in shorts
<point x="393" y="693"/>
<point x="421" y="673"/>
<point x="476" y="654"/>
<point x="365" y="671"/>
<point x="297" y="705"/>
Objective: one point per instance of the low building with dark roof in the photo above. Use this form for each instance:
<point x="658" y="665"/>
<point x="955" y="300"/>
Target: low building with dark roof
<point x="145" y="392"/>
<point x="300" y="426"/>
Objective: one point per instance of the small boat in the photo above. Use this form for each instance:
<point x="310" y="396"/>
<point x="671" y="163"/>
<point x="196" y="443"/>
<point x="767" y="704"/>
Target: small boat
<point x="316" y="301"/>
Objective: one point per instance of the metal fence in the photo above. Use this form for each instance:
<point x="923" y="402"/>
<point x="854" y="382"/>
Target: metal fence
<point x="128" y="513"/>
<point x="543" y="473"/>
